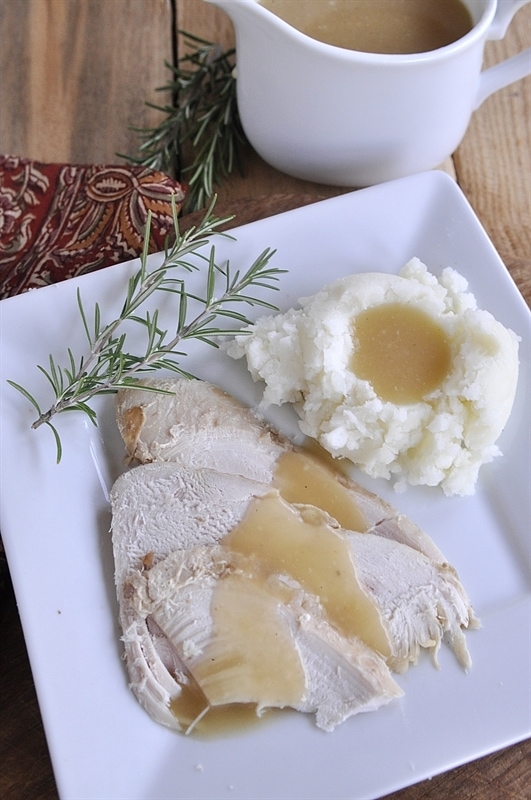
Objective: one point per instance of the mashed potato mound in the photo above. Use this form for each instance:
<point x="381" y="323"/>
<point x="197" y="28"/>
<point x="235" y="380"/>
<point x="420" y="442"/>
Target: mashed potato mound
<point x="306" y="355"/>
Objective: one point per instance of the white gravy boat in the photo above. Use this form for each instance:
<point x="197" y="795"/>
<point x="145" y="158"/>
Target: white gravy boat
<point x="350" y="118"/>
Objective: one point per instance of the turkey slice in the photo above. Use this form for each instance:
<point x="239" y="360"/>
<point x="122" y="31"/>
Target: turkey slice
<point x="178" y="546"/>
<point x="195" y="424"/>
<point x="296" y="659"/>
<point x="167" y="526"/>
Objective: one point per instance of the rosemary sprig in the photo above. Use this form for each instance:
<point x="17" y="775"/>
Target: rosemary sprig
<point x="109" y="366"/>
<point x="202" y="123"/>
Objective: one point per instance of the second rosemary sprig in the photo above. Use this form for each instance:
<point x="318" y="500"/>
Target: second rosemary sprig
<point x="108" y="365"/>
<point x="199" y="137"/>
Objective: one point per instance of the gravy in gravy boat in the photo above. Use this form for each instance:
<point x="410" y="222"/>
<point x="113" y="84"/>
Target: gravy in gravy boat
<point x="377" y="26"/>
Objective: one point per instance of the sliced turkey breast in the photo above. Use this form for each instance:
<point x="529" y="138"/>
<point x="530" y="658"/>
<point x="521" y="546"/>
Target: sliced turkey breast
<point x="171" y="573"/>
<point x="196" y="425"/>
<point x="253" y="556"/>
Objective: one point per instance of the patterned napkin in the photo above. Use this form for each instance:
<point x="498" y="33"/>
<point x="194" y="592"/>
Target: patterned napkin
<point x="62" y="220"/>
<point x="58" y="221"/>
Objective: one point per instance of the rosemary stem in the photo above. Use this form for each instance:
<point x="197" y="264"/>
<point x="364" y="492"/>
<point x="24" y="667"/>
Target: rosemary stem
<point x="109" y="366"/>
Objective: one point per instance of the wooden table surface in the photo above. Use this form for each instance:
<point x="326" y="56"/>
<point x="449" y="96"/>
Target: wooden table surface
<point x="74" y="76"/>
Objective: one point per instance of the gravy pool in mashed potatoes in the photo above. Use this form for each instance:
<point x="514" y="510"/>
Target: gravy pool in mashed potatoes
<point x="401" y="374"/>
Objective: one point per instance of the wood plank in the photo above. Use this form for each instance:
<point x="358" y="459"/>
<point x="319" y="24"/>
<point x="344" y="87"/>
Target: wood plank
<point x="205" y="20"/>
<point x="493" y="163"/>
<point x="75" y="76"/>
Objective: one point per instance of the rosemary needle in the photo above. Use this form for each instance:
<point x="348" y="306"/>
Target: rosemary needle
<point x="108" y="366"/>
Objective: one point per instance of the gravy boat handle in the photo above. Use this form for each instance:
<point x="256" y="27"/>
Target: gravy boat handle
<point x="510" y="70"/>
<point x="501" y="75"/>
<point x="505" y="11"/>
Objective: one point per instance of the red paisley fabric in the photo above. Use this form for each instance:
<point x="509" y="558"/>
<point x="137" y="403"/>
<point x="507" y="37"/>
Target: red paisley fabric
<point x="58" y="221"/>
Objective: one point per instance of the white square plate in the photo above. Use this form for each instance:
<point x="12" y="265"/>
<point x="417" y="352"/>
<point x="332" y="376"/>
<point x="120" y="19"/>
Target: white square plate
<point x="55" y="522"/>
